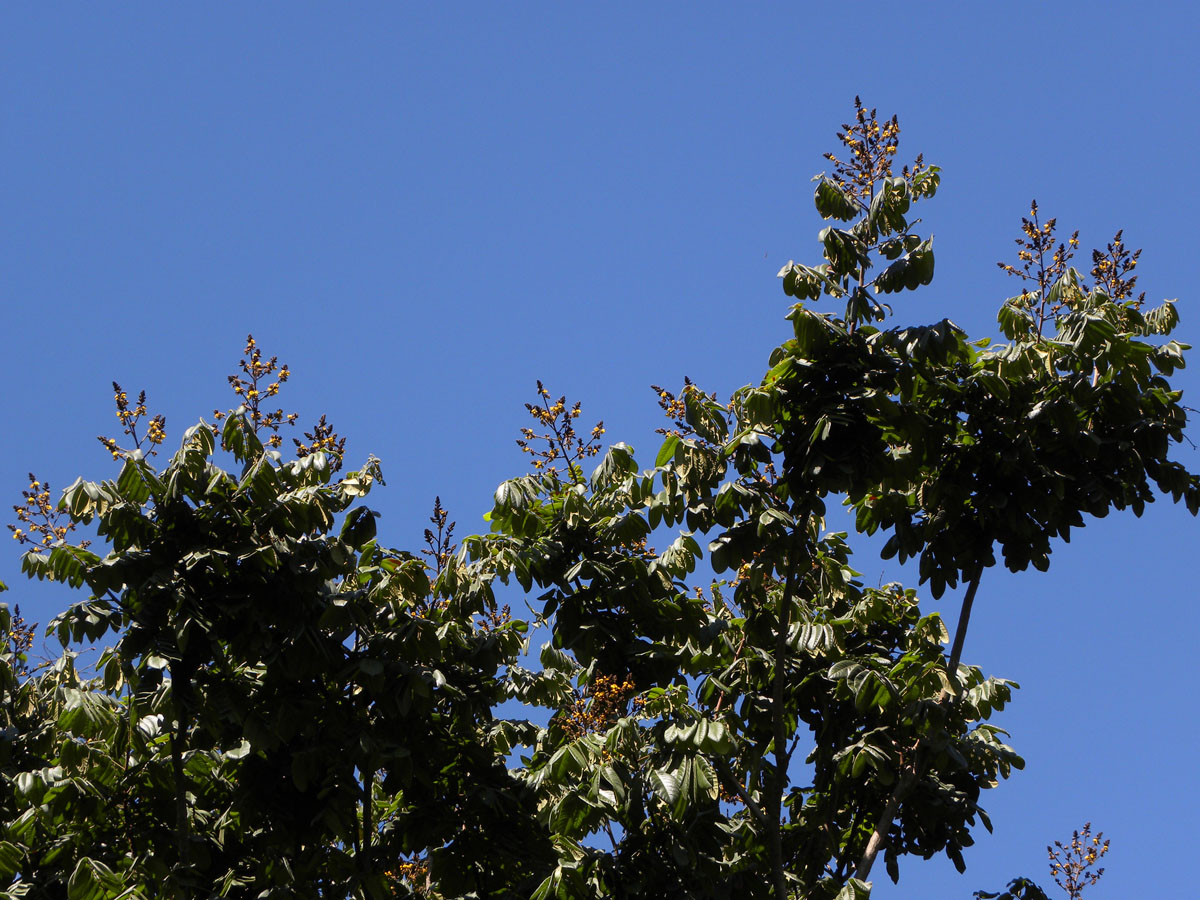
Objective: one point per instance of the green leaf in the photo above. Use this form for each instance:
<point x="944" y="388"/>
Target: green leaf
<point x="667" y="786"/>
<point x="854" y="889"/>
<point x="833" y="203"/>
<point x="1015" y="319"/>
<point x="84" y="713"/>
<point x="150" y="726"/>
<point x="889" y="205"/>
<point x="909" y="272"/>
<point x="861" y="760"/>
<point x="11" y="858"/>
<point x="806" y="283"/>
<point x="137" y="481"/>
<point x="93" y="880"/>
<point x="1162" y="319"/>
<point x="359" y="527"/>
<point x="844" y="251"/>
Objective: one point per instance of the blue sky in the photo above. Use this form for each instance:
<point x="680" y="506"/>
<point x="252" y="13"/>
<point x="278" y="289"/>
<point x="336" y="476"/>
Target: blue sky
<point x="424" y="208"/>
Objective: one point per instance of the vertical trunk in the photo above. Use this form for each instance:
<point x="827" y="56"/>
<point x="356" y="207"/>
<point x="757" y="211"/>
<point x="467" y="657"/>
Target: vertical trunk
<point x="368" y="829"/>
<point x="887" y="815"/>
<point x="774" y="810"/>
<point x="181" y="824"/>
<point x="960" y="632"/>
<point x="883" y="825"/>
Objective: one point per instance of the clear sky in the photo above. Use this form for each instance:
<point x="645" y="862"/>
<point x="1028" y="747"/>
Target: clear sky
<point x="422" y="208"/>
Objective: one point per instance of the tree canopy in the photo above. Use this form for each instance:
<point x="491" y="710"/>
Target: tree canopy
<point x="705" y="700"/>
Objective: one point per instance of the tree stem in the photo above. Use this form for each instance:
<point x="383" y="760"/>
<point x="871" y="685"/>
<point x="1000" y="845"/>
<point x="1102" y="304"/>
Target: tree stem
<point x="778" y="716"/>
<point x="181" y="823"/>
<point x="883" y="825"/>
<point x="731" y="783"/>
<point x="960" y="631"/>
<point x="368" y="809"/>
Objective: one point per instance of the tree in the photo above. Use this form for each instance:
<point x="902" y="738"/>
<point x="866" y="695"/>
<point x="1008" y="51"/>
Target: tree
<point x="318" y="715"/>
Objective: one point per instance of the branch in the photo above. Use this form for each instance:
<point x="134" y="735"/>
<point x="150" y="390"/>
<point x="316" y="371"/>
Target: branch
<point x="612" y="838"/>
<point x="780" y="736"/>
<point x="181" y="823"/>
<point x="883" y="825"/>
<point x="960" y="631"/>
<point x="368" y="808"/>
<point x="730" y="781"/>
<point x="878" y="838"/>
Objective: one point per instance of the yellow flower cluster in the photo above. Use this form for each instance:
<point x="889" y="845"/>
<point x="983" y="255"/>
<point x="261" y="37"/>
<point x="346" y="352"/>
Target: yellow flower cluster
<point x="1071" y="865"/>
<point x="727" y="795"/>
<point x="18" y="641"/>
<point x="129" y="417"/>
<point x="674" y="408"/>
<point x="872" y="145"/>
<point x="156" y="431"/>
<point x="40" y="522"/>
<point x="322" y="439"/>
<point x="494" y="618"/>
<point x="1042" y="261"/>
<point x="561" y="439"/>
<point x="599" y="707"/>
<point x="1111" y="268"/>
<point x="639" y="548"/>
<point x="440" y="544"/>
<point x="414" y="875"/>
<point x="254" y="391"/>
<point x="746" y="569"/>
<point x="20" y="634"/>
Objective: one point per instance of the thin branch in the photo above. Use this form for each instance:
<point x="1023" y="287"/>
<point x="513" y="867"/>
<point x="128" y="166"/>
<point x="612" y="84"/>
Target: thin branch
<point x="731" y="782"/>
<point x="612" y="838"/>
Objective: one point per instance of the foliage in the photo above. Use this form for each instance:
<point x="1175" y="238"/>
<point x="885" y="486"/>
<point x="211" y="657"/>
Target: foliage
<point x="291" y="708"/>
<point x="290" y="696"/>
